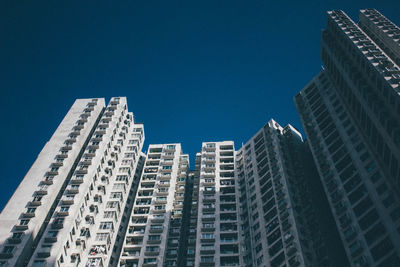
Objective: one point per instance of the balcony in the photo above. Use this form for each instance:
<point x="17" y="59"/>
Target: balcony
<point x="158" y="220"/>
<point x="134" y="241"/>
<point x="162" y="193"/>
<point x="42" y="190"/>
<point x="152" y="253"/>
<point x="208" y="229"/>
<point x="48" y="180"/>
<point x="50" y="239"/>
<point x="163" y="184"/>
<point x="209" y="174"/>
<point x="99" y="131"/>
<point x="229" y="249"/>
<point x="154" y="241"/>
<point x="63" y="213"/>
<point x="86" y="162"/>
<point x="207" y="240"/>
<point x="67" y="147"/>
<point x="161" y="201"/>
<point x="21" y="227"/>
<point x="57" y="164"/>
<point x="209" y="147"/>
<point x="83" y="170"/>
<point x="77" y="180"/>
<point x="52" y="172"/>
<point x="62" y="156"/>
<point x="166" y="170"/>
<point x="159" y="211"/>
<point x="165" y="177"/>
<point x="94" y="262"/>
<point x="209" y="160"/>
<point x="44" y="252"/>
<point x="73" y="190"/>
<point x="156" y="230"/>
<point x="6" y="255"/>
<point x="169" y="155"/>
<point x="209" y="192"/>
<point x="57" y="224"/>
<point x="90" y="153"/>
<point x="165" y="162"/>
<point x="207" y="263"/>
<point x="67" y="200"/>
<point x="29" y="214"/>
<point x="207" y="251"/>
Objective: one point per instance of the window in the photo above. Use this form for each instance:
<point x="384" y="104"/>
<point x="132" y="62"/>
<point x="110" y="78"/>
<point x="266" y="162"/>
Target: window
<point x="116" y="195"/>
<point x="106" y="226"/>
<point x="207" y="247"/>
<point x="64" y="208"/>
<point x="31" y="210"/>
<point x="124" y="169"/>
<point x="207" y="236"/>
<point x="24" y="222"/>
<point x="8" y="249"/>
<point x="156" y="227"/>
<point x="207" y="259"/>
<point x="383" y="248"/>
<point x="110" y="214"/>
<point x="37" y="198"/>
<point x="59" y="221"/>
<point x="152" y="249"/>
<point x="150" y="260"/>
<point x="52" y="233"/>
<point x="102" y="236"/>
<point x="121" y="178"/>
<point x="154" y="237"/>
<point x="17" y="235"/>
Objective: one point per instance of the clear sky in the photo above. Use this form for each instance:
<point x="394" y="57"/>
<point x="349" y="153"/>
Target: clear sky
<point x="193" y="71"/>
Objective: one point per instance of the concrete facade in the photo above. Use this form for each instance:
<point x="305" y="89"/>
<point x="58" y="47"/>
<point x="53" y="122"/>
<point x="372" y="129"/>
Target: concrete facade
<point x="73" y="215"/>
<point x="154" y="225"/>
<point x="217" y="233"/>
<point x="351" y="115"/>
<point x="279" y="214"/>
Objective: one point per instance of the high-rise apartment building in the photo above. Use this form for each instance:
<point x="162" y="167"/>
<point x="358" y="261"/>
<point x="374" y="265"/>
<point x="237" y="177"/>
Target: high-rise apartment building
<point x="92" y="198"/>
<point x="280" y="203"/>
<point x="155" y="224"/>
<point x="217" y="233"/>
<point x="193" y="214"/>
<point x="71" y="205"/>
<point x="260" y="206"/>
<point x="351" y="115"/>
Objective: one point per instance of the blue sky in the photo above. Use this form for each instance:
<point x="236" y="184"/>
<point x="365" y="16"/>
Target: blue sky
<point x="193" y="71"/>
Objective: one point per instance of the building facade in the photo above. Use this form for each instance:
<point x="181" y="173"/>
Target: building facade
<point x="92" y="198"/>
<point x="217" y="231"/>
<point x="279" y="217"/>
<point x="70" y="206"/>
<point x="154" y="226"/>
<point x="351" y="113"/>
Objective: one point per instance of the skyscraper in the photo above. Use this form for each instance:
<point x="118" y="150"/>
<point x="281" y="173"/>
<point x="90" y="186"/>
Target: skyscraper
<point x="281" y="204"/>
<point x="351" y="115"/>
<point x="92" y="198"/>
<point x="217" y="232"/>
<point x="260" y="205"/>
<point x="155" y="224"/>
<point x="112" y="205"/>
<point x="71" y="204"/>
